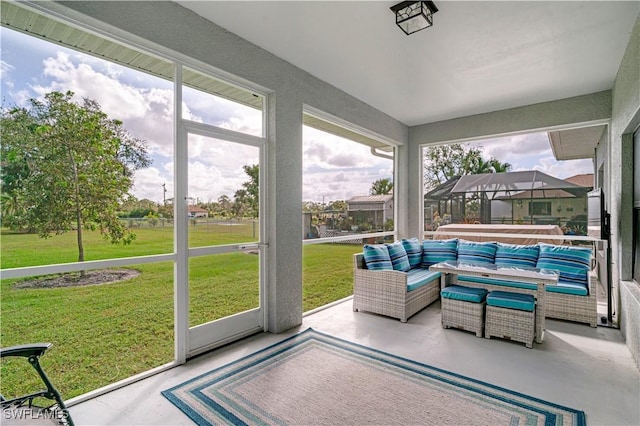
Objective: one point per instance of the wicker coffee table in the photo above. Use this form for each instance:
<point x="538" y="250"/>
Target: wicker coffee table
<point x="541" y="277"/>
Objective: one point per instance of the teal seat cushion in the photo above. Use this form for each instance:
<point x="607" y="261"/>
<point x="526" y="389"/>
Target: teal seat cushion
<point x="414" y="251"/>
<point x="398" y="256"/>
<point x="376" y="257"/>
<point x="475" y="252"/>
<point x="436" y="251"/>
<point x="573" y="263"/>
<point x="568" y="288"/>
<point x="417" y="278"/>
<point x="517" y="255"/>
<point x="466" y="294"/>
<point x="506" y="299"/>
<point x="493" y="281"/>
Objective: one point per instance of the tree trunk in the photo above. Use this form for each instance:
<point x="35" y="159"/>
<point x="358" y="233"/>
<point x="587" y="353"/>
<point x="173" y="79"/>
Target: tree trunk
<point x="78" y="210"/>
<point x="79" y="234"/>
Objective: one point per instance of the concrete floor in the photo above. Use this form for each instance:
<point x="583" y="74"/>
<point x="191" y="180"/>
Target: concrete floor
<point x="585" y="368"/>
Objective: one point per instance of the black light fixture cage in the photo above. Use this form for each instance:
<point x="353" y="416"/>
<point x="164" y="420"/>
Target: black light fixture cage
<point x="413" y="16"/>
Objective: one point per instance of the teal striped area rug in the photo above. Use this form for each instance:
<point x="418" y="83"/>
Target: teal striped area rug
<point x="316" y="379"/>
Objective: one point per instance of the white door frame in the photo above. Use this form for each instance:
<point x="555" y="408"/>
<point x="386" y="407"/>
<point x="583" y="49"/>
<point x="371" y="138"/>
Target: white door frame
<point x="190" y="341"/>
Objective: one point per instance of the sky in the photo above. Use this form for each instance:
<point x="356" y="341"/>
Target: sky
<point x="333" y="168"/>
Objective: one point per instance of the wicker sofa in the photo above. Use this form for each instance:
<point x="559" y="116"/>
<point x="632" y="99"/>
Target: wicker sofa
<point x="393" y="293"/>
<point x="389" y="292"/>
<point x="574" y="298"/>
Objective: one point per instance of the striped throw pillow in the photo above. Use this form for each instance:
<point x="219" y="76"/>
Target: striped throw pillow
<point x="573" y="263"/>
<point x="473" y="252"/>
<point x="517" y="255"/>
<point x="414" y="251"/>
<point x="376" y="257"/>
<point x="435" y="251"/>
<point x="399" y="258"/>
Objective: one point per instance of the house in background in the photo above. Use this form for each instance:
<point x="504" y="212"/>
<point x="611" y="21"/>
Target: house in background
<point x="522" y="197"/>
<point x="373" y="210"/>
<point x="547" y="207"/>
<point x="197" y="212"/>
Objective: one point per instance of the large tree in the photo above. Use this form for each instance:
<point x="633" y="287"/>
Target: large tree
<point x="338" y="205"/>
<point x="381" y="187"/>
<point x="447" y="161"/>
<point x="69" y="166"/>
<point x="444" y="162"/>
<point x="240" y="203"/>
<point x="251" y="190"/>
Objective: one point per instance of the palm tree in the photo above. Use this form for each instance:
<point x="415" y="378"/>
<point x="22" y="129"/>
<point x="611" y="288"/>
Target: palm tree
<point x="12" y="211"/>
<point x="499" y="167"/>
<point x="381" y="187"/>
<point x="240" y="203"/>
<point x="225" y="204"/>
<point x="478" y="166"/>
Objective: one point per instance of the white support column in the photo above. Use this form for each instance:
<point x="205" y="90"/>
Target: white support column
<point x="284" y="287"/>
<point x="401" y="187"/>
<point x="180" y="231"/>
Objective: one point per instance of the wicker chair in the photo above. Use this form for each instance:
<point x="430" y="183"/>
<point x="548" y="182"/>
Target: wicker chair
<point x="385" y="292"/>
<point x="574" y="308"/>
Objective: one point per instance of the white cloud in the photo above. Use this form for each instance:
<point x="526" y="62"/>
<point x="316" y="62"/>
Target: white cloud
<point x="520" y="151"/>
<point x="338" y="186"/>
<point x="146" y="113"/>
<point x="250" y="124"/>
<point x="116" y="99"/>
<point x="564" y="169"/>
<point x="338" y="169"/>
<point x="222" y="112"/>
<point x="208" y="182"/>
<point x="327" y="151"/>
<point x="5" y="69"/>
<point x="148" y="184"/>
<point x="518" y="146"/>
<point x="21" y="97"/>
<point x="532" y="152"/>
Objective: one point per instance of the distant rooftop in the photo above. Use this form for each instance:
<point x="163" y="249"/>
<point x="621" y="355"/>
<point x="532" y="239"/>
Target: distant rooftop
<point x="585" y="180"/>
<point x="370" y="198"/>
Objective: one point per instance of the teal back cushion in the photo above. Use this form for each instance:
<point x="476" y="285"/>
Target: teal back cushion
<point x="435" y="251"/>
<point x="517" y="255"/>
<point x="414" y="251"/>
<point x="398" y="256"/>
<point x="473" y="252"/>
<point x="376" y="256"/>
<point x="573" y="263"/>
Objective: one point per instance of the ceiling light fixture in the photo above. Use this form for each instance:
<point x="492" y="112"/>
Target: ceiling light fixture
<point x="412" y="16"/>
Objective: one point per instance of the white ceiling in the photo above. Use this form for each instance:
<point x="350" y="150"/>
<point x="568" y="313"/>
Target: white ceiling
<point x="478" y="56"/>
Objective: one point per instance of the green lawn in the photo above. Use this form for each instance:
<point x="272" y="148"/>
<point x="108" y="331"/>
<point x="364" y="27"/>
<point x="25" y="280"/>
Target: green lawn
<point x="105" y="333"/>
<point x="30" y="250"/>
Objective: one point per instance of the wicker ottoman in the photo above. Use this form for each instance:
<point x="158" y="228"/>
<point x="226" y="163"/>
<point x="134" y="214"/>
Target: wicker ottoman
<point x="511" y="316"/>
<point x="463" y="308"/>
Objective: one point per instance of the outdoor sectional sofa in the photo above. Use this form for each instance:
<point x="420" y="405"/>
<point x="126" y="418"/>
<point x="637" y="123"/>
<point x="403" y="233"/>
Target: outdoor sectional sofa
<point x="399" y="290"/>
<point x="399" y="285"/>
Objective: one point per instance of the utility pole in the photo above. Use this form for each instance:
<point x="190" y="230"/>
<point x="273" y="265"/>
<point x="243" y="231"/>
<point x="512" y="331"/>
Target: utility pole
<point x="164" y="194"/>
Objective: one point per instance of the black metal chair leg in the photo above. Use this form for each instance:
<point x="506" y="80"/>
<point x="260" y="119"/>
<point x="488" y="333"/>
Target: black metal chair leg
<point x="33" y="353"/>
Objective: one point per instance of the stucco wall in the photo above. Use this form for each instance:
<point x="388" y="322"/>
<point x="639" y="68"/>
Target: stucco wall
<point x="625" y="119"/>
